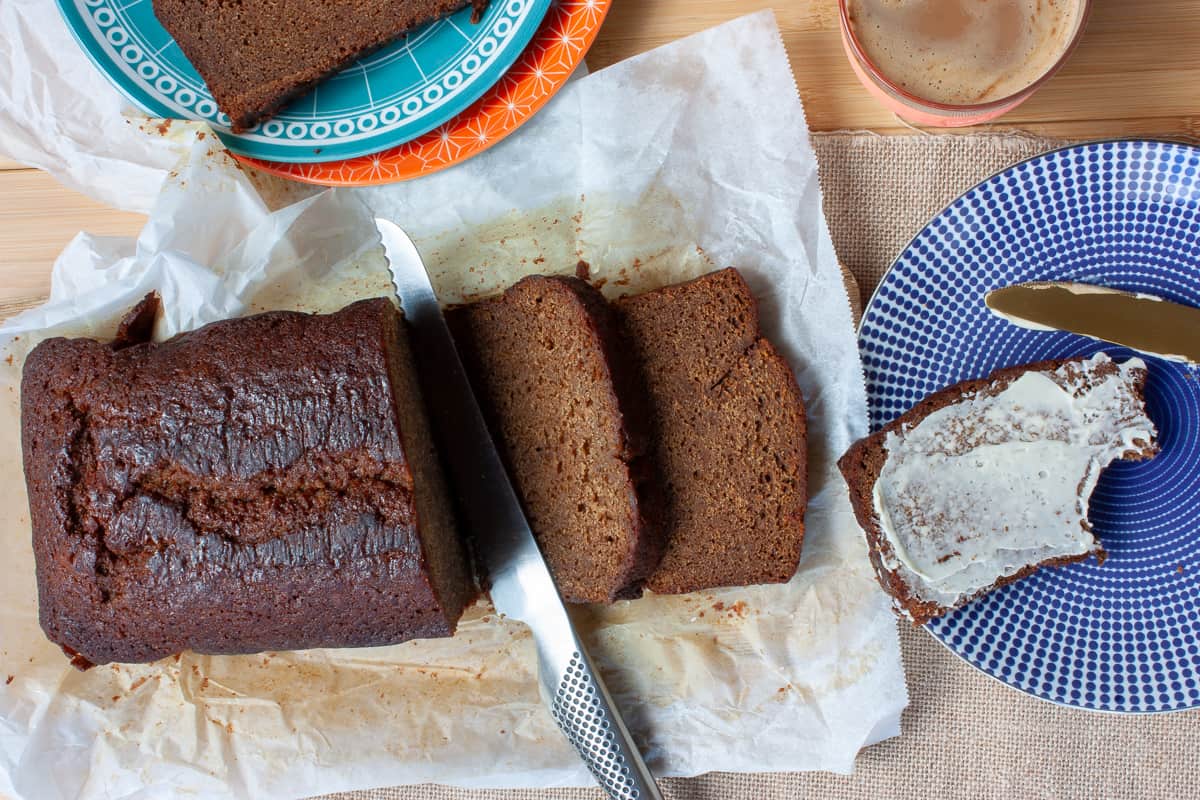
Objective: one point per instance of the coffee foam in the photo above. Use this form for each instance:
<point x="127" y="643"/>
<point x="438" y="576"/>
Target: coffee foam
<point x="963" y="52"/>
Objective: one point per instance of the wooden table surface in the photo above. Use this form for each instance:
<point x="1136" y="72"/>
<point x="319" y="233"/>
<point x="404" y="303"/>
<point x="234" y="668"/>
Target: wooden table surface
<point x="1137" y="72"/>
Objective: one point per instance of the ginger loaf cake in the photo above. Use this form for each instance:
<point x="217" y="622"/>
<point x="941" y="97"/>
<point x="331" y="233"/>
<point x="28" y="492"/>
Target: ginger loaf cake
<point x="263" y="483"/>
<point x="986" y="481"/>
<point x="729" y="435"/>
<point x="553" y="378"/>
<point x="256" y="55"/>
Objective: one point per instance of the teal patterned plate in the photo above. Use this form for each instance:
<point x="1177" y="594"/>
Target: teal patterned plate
<point x="392" y="96"/>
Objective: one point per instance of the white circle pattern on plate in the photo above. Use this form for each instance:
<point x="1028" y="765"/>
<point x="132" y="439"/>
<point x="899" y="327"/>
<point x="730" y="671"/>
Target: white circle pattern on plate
<point x="1122" y="636"/>
<point x="449" y="63"/>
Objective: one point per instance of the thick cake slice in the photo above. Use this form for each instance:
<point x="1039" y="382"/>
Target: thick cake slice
<point x="729" y="435"/>
<point x="256" y="55"/>
<point x="986" y="481"/>
<point x="265" y="483"/>
<point x="551" y="373"/>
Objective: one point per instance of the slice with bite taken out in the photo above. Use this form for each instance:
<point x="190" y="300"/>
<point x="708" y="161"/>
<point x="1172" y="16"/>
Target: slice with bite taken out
<point x="986" y="481"/>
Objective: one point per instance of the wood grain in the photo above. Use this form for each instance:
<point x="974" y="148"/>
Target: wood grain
<point x="1136" y="73"/>
<point x="1138" y="61"/>
<point x="38" y="217"/>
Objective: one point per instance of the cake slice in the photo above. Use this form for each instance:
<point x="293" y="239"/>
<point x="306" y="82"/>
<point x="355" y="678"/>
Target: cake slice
<point x="264" y="483"/>
<point x="729" y="435"/>
<point x="988" y="480"/>
<point x="552" y="375"/>
<point x="256" y="55"/>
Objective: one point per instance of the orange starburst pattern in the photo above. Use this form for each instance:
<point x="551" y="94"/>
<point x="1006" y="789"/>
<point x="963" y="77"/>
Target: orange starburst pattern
<point x="558" y="47"/>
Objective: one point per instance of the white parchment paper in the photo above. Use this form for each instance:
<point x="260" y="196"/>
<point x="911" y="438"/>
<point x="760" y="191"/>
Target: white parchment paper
<point x="688" y="158"/>
<point x="59" y="113"/>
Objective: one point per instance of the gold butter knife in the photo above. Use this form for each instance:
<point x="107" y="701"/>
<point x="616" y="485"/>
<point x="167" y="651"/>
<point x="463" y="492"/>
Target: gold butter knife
<point x="1143" y="322"/>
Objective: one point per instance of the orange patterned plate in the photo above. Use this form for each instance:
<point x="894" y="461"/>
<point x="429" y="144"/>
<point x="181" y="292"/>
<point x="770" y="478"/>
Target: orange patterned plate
<point x="557" y="49"/>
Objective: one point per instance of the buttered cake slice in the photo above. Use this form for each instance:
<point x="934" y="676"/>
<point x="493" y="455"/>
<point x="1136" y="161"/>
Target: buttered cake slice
<point x="986" y="481"/>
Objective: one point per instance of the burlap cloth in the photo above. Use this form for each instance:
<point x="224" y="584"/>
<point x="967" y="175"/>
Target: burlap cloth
<point x="965" y="735"/>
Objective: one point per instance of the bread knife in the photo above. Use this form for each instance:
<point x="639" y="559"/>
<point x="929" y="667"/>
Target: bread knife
<point x="521" y="584"/>
<point x="1143" y="322"/>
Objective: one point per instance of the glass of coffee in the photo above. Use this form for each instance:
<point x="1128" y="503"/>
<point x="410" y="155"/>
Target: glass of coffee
<point x="952" y="63"/>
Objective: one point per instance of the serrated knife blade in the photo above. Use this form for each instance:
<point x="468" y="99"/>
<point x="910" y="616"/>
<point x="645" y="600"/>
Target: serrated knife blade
<point x="1143" y="322"/>
<point x="521" y="584"/>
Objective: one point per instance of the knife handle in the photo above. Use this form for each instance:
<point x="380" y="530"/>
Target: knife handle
<point x="583" y="710"/>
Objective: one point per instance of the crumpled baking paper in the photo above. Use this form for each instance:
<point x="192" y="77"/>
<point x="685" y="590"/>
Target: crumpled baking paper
<point x="59" y="113"/>
<point x="685" y="159"/>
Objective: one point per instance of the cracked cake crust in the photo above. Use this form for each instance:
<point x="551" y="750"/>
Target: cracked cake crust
<point x="262" y="483"/>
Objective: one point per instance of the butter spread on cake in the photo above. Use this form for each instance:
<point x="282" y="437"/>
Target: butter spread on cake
<point x="986" y="481"/>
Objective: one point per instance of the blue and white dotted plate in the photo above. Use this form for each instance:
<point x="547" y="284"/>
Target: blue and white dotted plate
<point x="1124" y="636"/>
<point x="393" y="96"/>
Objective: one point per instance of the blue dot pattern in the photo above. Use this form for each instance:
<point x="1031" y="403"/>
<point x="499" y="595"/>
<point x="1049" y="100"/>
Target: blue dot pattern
<point x="1122" y="636"/>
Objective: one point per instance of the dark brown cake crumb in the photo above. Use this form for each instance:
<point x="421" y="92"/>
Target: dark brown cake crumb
<point x="137" y="325"/>
<point x="77" y="661"/>
<point x="729" y="435"/>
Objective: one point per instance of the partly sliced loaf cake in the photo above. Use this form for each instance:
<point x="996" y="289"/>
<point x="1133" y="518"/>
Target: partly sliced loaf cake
<point x="729" y="435"/>
<point x="985" y="481"/>
<point x="256" y="55"/>
<point x="552" y="375"/>
<point x="264" y="483"/>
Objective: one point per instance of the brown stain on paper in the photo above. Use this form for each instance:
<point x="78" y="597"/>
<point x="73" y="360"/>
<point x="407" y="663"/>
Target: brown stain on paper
<point x="621" y="247"/>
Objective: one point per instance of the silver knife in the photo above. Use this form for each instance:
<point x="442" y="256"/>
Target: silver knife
<point x="1142" y="322"/>
<point x="521" y="585"/>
